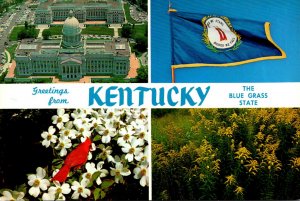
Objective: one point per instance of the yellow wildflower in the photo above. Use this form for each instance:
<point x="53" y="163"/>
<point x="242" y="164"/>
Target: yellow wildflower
<point x="239" y="190"/>
<point x="295" y="163"/>
<point x="242" y="153"/>
<point x="230" y="180"/>
<point x="260" y="136"/>
<point x="202" y="176"/>
<point x="253" y="166"/>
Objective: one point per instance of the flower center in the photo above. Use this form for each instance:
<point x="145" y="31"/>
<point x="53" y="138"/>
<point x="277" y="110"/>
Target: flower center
<point x="58" y="190"/>
<point x="59" y="119"/>
<point x="104" y="152"/>
<point x="106" y="132"/>
<point x="131" y="150"/>
<point x="143" y="172"/>
<point x="66" y="133"/>
<point x="88" y="176"/>
<point x="110" y="115"/>
<point x="81" y="130"/>
<point x="49" y="136"/>
<point x="143" y="158"/>
<point x="61" y="145"/>
<point x="142" y="135"/>
<point x="126" y="137"/>
<point x="80" y="190"/>
<point x="95" y="125"/>
<point x="117" y="124"/>
<point x="118" y="173"/>
<point x="36" y="183"/>
<point x="142" y="116"/>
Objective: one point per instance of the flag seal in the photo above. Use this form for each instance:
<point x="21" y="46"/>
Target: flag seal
<point x="219" y="35"/>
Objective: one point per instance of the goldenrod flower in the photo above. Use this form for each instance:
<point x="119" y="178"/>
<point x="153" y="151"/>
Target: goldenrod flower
<point x="230" y="180"/>
<point x="239" y="190"/>
<point x="253" y="166"/>
<point x="242" y="153"/>
<point x="295" y="163"/>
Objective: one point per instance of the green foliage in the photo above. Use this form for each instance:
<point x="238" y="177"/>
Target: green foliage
<point x="140" y="30"/>
<point x="11" y="49"/>
<point x="142" y="74"/>
<point x="14" y="33"/>
<point x="98" y="30"/>
<point x="127" y="13"/>
<point x="141" y="44"/>
<point x="46" y="34"/>
<point x="3" y="76"/>
<point x="227" y="154"/>
<point x="126" y="31"/>
<point x="55" y="30"/>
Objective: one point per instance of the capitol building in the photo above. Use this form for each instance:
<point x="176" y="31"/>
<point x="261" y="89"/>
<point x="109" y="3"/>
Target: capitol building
<point x="73" y="56"/>
<point x="50" y="11"/>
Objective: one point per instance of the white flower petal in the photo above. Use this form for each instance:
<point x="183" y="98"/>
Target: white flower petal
<point x="34" y="191"/>
<point x="41" y="173"/>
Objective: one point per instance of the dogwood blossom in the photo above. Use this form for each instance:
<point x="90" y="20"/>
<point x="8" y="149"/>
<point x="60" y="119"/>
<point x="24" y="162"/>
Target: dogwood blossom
<point x="125" y="135"/>
<point x="107" y="131"/>
<point x="119" y="171"/>
<point x="63" y="145"/>
<point x="80" y="189"/>
<point x="60" y="118"/>
<point x="38" y="182"/>
<point x="131" y="149"/>
<point x="49" y="137"/>
<point x="141" y="172"/>
<point x="8" y="196"/>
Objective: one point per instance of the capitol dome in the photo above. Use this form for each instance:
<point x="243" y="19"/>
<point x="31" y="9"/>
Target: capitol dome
<point x="71" y="32"/>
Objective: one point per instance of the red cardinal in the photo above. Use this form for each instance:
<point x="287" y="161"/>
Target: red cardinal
<point x="75" y="158"/>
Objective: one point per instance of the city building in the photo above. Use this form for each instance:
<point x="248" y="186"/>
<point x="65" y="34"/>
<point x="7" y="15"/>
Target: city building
<point x="50" y="11"/>
<point x="73" y="56"/>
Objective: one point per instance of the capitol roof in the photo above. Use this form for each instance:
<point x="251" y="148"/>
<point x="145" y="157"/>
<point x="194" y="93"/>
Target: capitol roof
<point x="71" y="25"/>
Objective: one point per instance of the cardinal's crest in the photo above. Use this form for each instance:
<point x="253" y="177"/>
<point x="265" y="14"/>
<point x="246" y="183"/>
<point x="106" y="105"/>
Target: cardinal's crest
<point x="219" y="35"/>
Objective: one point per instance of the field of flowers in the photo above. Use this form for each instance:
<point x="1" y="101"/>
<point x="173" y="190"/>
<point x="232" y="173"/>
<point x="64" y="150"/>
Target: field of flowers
<point x="93" y="154"/>
<point x="226" y="154"/>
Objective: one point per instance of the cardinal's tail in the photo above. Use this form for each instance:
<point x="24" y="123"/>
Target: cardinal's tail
<point x="62" y="174"/>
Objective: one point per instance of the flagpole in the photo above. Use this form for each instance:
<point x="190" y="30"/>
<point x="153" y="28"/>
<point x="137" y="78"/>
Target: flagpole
<point x="172" y="68"/>
<point x="173" y="74"/>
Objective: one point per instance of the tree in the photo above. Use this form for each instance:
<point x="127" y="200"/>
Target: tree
<point x="26" y="25"/>
<point x="141" y="44"/>
<point x="126" y="31"/>
<point x="46" y="34"/>
<point x="142" y="74"/>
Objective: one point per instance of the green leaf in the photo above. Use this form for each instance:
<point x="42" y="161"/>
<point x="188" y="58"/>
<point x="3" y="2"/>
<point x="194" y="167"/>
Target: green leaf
<point x="97" y="138"/>
<point x="103" y="194"/>
<point x="97" y="193"/>
<point x="95" y="175"/>
<point x="107" y="183"/>
<point x="22" y="188"/>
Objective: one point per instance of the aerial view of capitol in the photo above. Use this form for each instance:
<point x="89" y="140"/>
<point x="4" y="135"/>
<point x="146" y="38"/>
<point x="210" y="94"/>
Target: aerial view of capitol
<point x="78" y="41"/>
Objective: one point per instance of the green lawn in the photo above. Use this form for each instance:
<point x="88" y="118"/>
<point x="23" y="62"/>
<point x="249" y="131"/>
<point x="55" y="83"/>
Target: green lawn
<point x="98" y="30"/>
<point x="11" y="50"/>
<point x="14" y="33"/>
<point x="139" y="30"/>
<point x="56" y="30"/>
<point x="127" y="13"/>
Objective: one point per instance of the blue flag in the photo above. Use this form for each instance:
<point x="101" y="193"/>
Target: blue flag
<point x="211" y="40"/>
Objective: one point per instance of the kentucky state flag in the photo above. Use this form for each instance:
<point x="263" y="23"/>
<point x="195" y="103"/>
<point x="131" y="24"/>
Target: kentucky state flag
<point x="211" y="40"/>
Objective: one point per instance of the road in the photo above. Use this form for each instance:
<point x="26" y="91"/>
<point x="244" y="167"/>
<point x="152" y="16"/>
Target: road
<point x="7" y="30"/>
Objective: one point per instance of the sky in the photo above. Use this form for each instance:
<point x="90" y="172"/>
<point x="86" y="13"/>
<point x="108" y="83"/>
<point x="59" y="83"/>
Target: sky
<point x="284" y="17"/>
